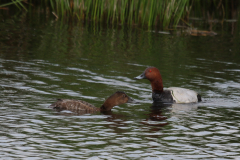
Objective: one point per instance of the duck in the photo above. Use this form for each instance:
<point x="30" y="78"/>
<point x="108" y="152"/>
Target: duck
<point x="115" y="99"/>
<point x="167" y="95"/>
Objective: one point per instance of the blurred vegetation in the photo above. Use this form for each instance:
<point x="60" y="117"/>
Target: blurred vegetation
<point x="131" y="12"/>
<point x="37" y="32"/>
<point x="150" y="13"/>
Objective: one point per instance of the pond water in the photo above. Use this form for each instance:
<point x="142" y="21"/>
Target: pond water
<point x="42" y="60"/>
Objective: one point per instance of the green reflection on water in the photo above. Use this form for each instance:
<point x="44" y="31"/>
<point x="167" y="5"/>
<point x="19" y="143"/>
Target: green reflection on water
<point x="82" y="62"/>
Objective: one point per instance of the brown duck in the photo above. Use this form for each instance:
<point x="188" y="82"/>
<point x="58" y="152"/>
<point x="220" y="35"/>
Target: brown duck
<point x="116" y="99"/>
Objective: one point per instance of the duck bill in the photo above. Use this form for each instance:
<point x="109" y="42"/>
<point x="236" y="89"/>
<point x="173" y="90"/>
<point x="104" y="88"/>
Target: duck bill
<point x="130" y="100"/>
<point x="141" y="76"/>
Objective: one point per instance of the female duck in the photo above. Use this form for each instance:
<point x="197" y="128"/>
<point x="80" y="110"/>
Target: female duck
<point x="116" y="99"/>
<point x="168" y="95"/>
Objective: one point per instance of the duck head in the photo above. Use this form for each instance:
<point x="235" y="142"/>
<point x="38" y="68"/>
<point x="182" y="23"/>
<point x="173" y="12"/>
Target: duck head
<point x="154" y="76"/>
<point x="116" y="99"/>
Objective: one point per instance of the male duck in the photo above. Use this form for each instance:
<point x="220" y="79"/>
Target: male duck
<point x="116" y="99"/>
<point x="168" y="95"/>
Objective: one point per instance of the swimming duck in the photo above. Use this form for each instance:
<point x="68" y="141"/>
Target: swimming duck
<point x="168" y="95"/>
<point x="116" y="99"/>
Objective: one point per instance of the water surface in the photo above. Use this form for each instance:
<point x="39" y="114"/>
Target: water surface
<point x="43" y="59"/>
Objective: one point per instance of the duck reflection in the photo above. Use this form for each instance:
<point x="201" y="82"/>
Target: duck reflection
<point x="149" y="121"/>
<point x="156" y="115"/>
<point x="158" y="110"/>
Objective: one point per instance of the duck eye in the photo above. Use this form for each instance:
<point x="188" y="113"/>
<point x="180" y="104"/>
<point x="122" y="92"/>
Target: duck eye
<point x="150" y="70"/>
<point x="123" y="96"/>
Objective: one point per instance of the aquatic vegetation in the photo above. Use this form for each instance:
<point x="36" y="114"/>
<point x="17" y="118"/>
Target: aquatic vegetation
<point x="150" y="13"/>
<point x="17" y="3"/>
<point x="132" y="12"/>
<point x="145" y="12"/>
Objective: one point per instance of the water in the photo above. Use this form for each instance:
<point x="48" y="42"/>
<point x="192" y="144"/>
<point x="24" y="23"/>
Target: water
<point x="43" y="59"/>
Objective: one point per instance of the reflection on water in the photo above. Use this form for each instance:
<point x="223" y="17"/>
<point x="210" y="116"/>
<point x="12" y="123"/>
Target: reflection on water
<point x="87" y="65"/>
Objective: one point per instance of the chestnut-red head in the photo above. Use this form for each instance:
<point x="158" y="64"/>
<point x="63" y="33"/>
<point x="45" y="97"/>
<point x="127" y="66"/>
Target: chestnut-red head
<point x="154" y="76"/>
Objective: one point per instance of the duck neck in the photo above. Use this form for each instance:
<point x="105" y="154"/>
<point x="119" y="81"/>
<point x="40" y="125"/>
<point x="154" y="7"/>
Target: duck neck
<point x="105" y="107"/>
<point x="157" y="85"/>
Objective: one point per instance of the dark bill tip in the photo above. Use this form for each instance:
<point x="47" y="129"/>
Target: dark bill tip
<point x="142" y="76"/>
<point x="130" y="100"/>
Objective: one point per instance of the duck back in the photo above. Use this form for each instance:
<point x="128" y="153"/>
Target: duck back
<point x="74" y="105"/>
<point x="183" y="95"/>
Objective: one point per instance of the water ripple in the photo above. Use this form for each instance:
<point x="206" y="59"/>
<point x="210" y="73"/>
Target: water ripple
<point x="207" y="130"/>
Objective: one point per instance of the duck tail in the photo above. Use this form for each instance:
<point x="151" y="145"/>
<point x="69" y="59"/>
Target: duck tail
<point x="199" y="97"/>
